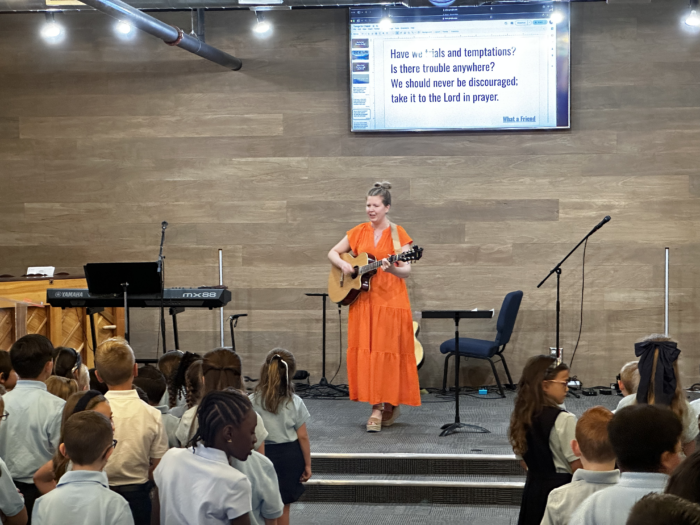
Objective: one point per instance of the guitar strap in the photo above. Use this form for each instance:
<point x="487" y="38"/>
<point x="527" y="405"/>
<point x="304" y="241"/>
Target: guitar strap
<point x="395" y="238"/>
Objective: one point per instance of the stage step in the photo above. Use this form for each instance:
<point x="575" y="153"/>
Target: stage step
<point x="467" y="479"/>
<point x="305" y="513"/>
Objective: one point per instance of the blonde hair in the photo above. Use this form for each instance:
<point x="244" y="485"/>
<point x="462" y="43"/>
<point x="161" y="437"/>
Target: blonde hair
<point x="679" y="405"/>
<point x="61" y="386"/>
<point x="114" y="361"/>
<point x="276" y="376"/>
<point x="83" y="378"/>
<point x="629" y="375"/>
<point x="381" y="189"/>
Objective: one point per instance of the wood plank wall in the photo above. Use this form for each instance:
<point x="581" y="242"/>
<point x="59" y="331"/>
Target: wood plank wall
<point x="102" y="139"/>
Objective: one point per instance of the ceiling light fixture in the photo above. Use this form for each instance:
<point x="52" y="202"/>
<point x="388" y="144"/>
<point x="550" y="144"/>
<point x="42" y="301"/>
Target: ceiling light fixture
<point x="262" y="27"/>
<point x="51" y="30"/>
<point x="123" y="28"/>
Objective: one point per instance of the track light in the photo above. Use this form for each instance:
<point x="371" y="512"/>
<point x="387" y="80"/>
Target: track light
<point x="262" y="26"/>
<point x="51" y="30"/>
<point x="123" y="28"/>
<point x="693" y="19"/>
<point x="557" y="17"/>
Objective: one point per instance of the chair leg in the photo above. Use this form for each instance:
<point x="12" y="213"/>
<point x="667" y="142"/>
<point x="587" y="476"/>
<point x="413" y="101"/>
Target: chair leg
<point x="444" y="376"/>
<point x="498" y="380"/>
<point x="510" y="384"/>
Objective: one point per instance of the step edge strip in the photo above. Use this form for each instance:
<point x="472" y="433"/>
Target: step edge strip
<point x="401" y="455"/>
<point x="407" y="483"/>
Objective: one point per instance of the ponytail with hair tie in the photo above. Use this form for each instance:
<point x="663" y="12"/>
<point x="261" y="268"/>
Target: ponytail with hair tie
<point x="275" y="387"/>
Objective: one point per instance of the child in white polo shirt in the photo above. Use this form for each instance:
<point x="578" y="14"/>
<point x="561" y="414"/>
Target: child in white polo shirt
<point x="138" y="427"/>
<point x="82" y="496"/>
<point x="197" y="484"/>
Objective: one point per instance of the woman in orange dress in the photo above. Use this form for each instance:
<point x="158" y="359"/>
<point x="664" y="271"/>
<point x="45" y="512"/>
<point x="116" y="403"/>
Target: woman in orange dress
<point x="381" y="358"/>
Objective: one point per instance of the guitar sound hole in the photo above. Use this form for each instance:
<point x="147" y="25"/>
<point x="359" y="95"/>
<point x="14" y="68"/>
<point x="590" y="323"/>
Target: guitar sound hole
<point x="354" y="275"/>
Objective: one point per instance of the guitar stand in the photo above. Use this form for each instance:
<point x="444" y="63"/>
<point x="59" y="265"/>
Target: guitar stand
<point x="323" y="388"/>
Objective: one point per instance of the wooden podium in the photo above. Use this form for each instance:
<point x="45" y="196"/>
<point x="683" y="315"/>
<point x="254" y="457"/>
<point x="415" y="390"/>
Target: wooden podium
<point x="23" y="310"/>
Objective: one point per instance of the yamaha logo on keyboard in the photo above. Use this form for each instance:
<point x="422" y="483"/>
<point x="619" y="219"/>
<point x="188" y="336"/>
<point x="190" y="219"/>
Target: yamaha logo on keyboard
<point x="201" y="295"/>
<point x="69" y="294"/>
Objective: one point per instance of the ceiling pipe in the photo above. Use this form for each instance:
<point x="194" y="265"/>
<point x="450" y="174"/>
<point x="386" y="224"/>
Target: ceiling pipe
<point x="173" y="36"/>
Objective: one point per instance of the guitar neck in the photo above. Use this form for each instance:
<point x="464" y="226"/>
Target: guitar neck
<point x="377" y="264"/>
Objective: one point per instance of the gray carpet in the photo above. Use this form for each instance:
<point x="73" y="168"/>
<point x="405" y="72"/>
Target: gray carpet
<point x="339" y="425"/>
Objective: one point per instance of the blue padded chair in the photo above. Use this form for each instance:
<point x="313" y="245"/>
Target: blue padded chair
<point x="481" y="349"/>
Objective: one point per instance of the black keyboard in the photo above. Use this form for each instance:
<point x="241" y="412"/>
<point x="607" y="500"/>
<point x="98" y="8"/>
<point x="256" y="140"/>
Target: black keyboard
<point x="184" y="297"/>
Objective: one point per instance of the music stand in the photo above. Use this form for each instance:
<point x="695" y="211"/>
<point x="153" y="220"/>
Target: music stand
<point x="132" y="278"/>
<point x="451" y="428"/>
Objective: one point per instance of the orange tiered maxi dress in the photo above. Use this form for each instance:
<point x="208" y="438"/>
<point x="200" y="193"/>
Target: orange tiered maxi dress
<point x="381" y="357"/>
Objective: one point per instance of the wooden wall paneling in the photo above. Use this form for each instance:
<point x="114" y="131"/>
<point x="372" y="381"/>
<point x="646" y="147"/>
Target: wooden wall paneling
<point x="102" y="140"/>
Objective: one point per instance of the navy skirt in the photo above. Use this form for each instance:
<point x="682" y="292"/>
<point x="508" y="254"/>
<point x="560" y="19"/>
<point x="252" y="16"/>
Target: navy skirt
<point x="289" y="463"/>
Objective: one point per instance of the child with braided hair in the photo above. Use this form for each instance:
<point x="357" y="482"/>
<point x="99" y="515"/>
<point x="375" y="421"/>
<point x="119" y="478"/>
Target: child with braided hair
<point x="197" y="484"/>
<point x="285" y="416"/>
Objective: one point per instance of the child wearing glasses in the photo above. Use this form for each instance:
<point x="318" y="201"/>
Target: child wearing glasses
<point x="82" y="496"/>
<point x="541" y="433"/>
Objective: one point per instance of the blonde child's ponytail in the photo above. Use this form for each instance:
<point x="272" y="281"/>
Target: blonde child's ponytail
<point x="276" y="375"/>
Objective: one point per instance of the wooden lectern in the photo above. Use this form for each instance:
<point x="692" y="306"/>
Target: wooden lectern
<point x="23" y="310"/>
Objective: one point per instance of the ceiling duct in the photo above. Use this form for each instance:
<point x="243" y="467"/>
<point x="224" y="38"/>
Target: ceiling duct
<point x="172" y="36"/>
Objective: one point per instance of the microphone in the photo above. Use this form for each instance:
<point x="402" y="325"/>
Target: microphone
<point x="164" y="224"/>
<point x="601" y="223"/>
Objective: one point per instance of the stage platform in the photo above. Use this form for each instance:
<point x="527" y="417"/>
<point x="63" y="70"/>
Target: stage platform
<point x="409" y="475"/>
<point x="338" y="426"/>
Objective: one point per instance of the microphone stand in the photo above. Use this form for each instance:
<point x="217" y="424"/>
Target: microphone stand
<point x="161" y="271"/>
<point x="557" y="270"/>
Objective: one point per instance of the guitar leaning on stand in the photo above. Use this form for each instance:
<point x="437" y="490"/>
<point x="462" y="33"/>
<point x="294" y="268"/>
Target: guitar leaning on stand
<point x="344" y="289"/>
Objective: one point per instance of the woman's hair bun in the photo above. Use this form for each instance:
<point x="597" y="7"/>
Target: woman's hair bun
<point x="385" y="185"/>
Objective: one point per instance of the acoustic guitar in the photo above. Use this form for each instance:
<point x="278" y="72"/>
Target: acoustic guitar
<point x="420" y="355"/>
<point x="344" y="289"/>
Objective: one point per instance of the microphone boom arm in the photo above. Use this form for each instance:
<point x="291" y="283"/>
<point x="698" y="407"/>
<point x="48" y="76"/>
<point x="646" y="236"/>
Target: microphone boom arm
<point x="556" y="268"/>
